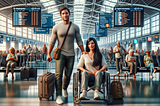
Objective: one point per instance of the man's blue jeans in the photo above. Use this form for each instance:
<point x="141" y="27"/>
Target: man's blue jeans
<point x="44" y="56"/>
<point x="65" y="62"/>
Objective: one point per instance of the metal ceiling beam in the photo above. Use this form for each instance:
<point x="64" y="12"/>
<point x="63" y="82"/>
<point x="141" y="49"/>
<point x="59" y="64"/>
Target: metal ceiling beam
<point x="55" y="5"/>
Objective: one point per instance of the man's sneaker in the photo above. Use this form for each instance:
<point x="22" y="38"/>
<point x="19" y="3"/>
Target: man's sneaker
<point x="96" y="95"/>
<point x="59" y="100"/>
<point x="65" y="93"/>
<point x="83" y="95"/>
<point x="151" y="77"/>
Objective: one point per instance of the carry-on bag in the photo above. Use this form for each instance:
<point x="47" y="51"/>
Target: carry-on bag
<point x="24" y="71"/>
<point x="32" y="70"/>
<point x="116" y="88"/>
<point x="46" y="84"/>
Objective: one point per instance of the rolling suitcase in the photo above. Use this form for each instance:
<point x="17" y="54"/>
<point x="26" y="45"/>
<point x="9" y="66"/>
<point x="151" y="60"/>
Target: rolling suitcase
<point x="46" y="84"/>
<point x="24" y="72"/>
<point x="32" y="71"/>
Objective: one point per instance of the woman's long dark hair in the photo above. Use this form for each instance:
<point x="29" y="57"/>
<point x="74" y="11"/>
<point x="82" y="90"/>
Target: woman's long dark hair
<point x="97" y="55"/>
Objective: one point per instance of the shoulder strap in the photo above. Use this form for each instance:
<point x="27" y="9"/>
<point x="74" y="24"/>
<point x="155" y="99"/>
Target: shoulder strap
<point x="66" y="35"/>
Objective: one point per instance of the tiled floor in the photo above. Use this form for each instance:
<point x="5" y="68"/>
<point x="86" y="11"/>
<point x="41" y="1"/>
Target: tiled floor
<point x="139" y="92"/>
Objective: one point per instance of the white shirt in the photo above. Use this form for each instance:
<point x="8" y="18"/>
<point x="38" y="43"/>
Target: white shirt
<point x="129" y="57"/>
<point x="117" y="55"/>
<point x="86" y="60"/>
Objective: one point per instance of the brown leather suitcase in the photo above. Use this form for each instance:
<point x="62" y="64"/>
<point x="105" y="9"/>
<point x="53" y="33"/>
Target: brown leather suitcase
<point x="46" y="83"/>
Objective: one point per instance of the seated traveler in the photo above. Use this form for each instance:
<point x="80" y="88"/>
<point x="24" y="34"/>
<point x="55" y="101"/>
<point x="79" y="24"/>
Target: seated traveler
<point x="12" y="61"/>
<point x="131" y="61"/>
<point x="93" y="61"/>
<point x="148" y="61"/>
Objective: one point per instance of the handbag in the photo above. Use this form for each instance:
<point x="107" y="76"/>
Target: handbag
<point x="116" y="88"/>
<point x="57" y="51"/>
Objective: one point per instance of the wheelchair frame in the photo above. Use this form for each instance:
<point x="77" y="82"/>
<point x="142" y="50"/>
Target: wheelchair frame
<point x="77" y="88"/>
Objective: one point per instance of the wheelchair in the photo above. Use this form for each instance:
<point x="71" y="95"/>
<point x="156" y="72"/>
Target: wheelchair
<point x="105" y="87"/>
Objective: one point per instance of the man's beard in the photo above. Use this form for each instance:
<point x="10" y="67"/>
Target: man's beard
<point x="65" y="19"/>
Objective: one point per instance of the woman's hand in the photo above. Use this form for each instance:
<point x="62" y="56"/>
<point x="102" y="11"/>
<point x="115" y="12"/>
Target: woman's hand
<point x="84" y="52"/>
<point x="90" y="74"/>
<point x="95" y="72"/>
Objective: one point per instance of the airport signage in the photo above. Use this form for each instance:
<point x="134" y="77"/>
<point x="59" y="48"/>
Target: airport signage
<point x="100" y="32"/>
<point x="1" y="41"/>
<point x="21" y="40"/>
<point x="105" y="20"/>
<point x="156" y="39"/>
<point x="1" y="36"/>
<point x="135" y="41"/>
<point x="8" y="38"/>
<point x="149" y="39"/>
<point x="27" y="41"/>
<point x="13" y="39"/>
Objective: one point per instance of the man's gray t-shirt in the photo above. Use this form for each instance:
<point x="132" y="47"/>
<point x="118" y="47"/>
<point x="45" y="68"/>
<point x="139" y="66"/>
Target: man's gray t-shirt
<point x="59" y="32"/>
<point x="118" y="55"/>
<point x="129" y="57"/>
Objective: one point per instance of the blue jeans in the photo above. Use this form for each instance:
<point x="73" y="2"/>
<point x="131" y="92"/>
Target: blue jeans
<point x="151" y="66"/>
<point x="65" y="62"/>
<point x="44" y="56"/>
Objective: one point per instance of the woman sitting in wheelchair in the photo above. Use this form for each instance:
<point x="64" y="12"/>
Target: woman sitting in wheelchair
<point x="93" y="61"/>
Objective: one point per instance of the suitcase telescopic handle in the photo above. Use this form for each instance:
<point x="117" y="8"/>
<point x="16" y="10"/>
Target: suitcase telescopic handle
<point x="49" y="67"/>
<point x="115" y="76"/>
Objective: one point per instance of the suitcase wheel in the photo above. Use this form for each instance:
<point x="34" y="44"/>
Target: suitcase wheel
<point x="110" y="99"/>
<point x="40" y="98"/>
<point x="76" y="99"/>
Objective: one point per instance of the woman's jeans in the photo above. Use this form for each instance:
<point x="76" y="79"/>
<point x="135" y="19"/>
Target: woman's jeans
<point x="65" y="62"/>
<point x="85" y="79"/>
<point x="151" y="66"/>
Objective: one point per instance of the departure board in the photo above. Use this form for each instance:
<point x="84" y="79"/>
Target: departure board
<point x="128" y="17"/>
<point x="47" y="21"/>
<point x="26" y="16"/>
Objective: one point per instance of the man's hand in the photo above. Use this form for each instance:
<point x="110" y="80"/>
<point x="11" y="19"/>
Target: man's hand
<point x="95" y="72"/>
<point x="49" y="58"/>
<point x="11" y="58"/>
<point x="83" y="53"/>
<point x="146" y="64"/>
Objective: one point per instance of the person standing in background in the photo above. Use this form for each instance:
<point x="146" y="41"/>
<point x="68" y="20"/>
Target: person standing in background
<point x="44" y="52"/>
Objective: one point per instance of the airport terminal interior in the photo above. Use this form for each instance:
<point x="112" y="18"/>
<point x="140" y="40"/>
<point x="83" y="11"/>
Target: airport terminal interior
<point x="26" y="26"/>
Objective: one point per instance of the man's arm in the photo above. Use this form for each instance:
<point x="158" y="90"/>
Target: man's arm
<point x="82" y="48"/>
<point x="49" y="52"/>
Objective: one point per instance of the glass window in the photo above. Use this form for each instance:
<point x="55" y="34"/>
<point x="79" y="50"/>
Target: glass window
<point x="115" y="37"/>
<point x="3" y="46"/>
<point x="25" y="32"/>
<point x="37" y="37"/>
<point x="138" y="31"/>
<point x="132" y="32"/>
<point x="11" y="30"/>
<point x="18" y="31"/>
<point x="34" y="36"/>
<point x="154" y="46"/>
<point x="119" y="36"/>
<point x="146" y="28"/>
<point x="29" y="33"/>
<point x="155" y="24"/>
<point x="123" y="35"/>
<point x="127" y="33"/>
<point x="144" y="46"/>
<point x="3" y="23"/>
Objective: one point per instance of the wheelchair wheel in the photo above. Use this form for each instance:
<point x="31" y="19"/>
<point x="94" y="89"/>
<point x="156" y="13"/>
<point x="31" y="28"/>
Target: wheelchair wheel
<point x="75" y="85"/>
<point x="76" y="99"/>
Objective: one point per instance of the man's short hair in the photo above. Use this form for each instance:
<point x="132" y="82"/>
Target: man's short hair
<point x="64" y="8"/>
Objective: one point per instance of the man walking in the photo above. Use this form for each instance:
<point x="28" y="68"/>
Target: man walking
<point x="67" y="52"/>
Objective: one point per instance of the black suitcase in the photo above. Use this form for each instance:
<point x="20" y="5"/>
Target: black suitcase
<point x="46" y="84"/>
<point x="24" y="72"/>
<point x="32" y="71"/>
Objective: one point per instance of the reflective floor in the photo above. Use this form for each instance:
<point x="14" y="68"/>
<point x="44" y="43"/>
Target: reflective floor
<point x="140" y="92"/>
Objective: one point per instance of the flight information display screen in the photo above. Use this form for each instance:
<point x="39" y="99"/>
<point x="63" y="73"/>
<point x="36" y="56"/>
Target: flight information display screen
<point x="47" y="21"/>
<point x="128" y="16"/>
<point x="26" y="16"/>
